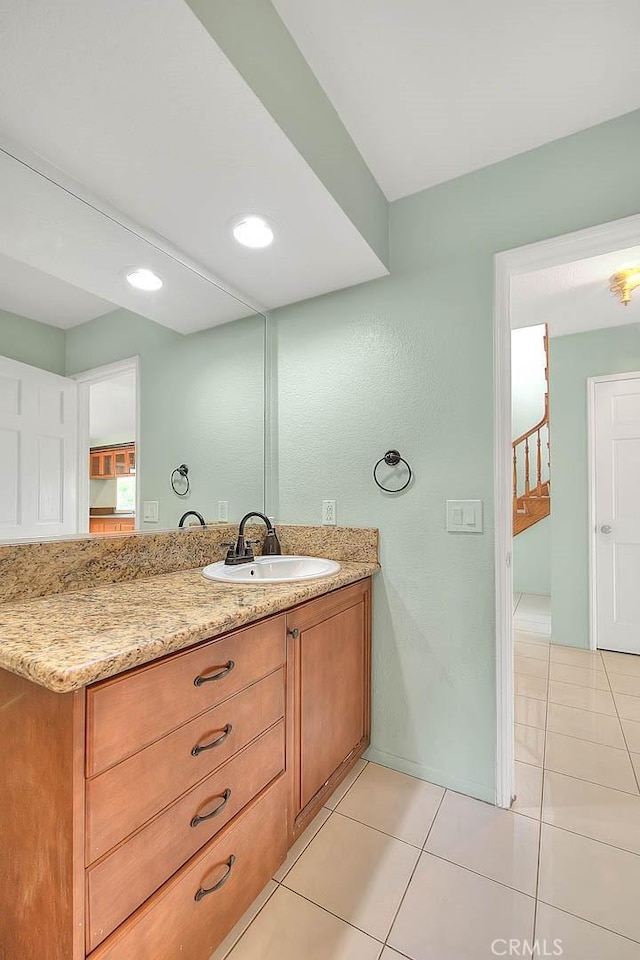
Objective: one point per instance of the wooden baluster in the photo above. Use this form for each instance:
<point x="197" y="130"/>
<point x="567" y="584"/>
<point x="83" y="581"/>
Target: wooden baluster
<point x="539" y="464"/>
<point x="527" y="489"/>
<point x="515" y="474"/>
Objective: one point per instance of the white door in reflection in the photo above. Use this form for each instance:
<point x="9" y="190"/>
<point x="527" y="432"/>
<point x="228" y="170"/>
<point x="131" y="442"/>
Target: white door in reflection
<point x="38" y="452"/>
<point x="616" y="450"/>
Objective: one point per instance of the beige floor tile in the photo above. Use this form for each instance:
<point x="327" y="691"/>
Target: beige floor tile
<point x="302" y="843"/>
<point x="579" y="939"/>
<point x="530" y="712"/>
<point x="452" y="914"/>
<point x="586" y="698"/>
<point x="592" y="810"/>
<point x="591" y="880"/>
<point x="535" y="687"/>
<point x="537" y="651"/>
<point x="582" y="676"/>
<point x="346" y="784"/>
<point x="291" y="928"/>
<point x="530" y="667"/>
<point x="389" y="954"/>
<point x="529" y="744"/>
<point x="626" y="663"/>
<point x="631" y="730"/>
<point x="585" y="724"/>
<point x="355" y="872"/>
<point x="635" y="760"/>
<point x="620" y="683"/>
<point x="628" y="707"/>
<point x="577" y="657"/>
<point x="528" y="790"/>
<point x="537" y="639"/>
<point x="244" y="921"/>
<point x="393" y="802"/>
<point x="590" y="761"/>
<point x="498" y="844"/>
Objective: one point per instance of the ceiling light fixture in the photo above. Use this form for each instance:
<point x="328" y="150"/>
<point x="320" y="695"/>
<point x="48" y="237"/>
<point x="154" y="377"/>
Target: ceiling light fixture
<point x="143" y="279"/>
<point x="624" y="282"/>
<point x="253" y="231"/>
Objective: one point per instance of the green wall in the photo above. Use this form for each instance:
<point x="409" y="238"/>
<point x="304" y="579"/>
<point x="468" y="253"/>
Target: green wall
<point x="532" y="559"/>
<point x="406" y="361"/>
<point x="572" y="360"/>
<point x="201" y="400"/>
<point x="31" y="342"/>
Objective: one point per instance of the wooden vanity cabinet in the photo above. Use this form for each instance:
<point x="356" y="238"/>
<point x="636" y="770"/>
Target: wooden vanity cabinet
<point x="141" y="816"/>
<point x="329" y="694"/>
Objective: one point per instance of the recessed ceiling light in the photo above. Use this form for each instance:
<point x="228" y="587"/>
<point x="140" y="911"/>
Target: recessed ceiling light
<point x="253" y="231"/>
<point x="143" y="279"/>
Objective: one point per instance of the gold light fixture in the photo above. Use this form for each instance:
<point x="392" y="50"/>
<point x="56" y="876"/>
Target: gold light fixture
<point x="624" y="282"/>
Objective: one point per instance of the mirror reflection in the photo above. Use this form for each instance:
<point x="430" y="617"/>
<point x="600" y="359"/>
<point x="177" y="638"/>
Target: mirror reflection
<point x="131" y="382"/>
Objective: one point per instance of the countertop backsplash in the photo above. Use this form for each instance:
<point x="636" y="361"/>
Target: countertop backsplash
<point x="33" y="570"/>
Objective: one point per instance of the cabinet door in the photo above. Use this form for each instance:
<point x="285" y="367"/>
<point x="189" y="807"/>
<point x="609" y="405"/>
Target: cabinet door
<point x="95" y="466"/>
<point x="333" y="685"/>
<point x="108" y="466"/>
<point x="131" y="461"/>
<point x="120" y="459"/>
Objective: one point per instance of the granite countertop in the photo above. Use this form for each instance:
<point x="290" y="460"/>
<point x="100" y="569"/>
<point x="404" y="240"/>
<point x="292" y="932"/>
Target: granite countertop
<point x="68" y="641"/>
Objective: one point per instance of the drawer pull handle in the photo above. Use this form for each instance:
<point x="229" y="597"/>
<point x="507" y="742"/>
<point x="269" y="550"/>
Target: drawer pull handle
<point x="199" y="680"/>
<point x="214" y="743"/>
<point x="295" y="633"/>
<point x="214" y="813"/>
<point x="204" y="891"/>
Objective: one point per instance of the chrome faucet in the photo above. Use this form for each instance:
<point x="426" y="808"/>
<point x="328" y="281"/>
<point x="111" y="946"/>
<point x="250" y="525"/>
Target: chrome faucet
<point x="191" y="513"/>
<point x="242" y="551"/>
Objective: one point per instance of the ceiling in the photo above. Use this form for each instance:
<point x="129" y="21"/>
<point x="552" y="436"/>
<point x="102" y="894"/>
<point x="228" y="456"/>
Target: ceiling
<point x="137" y="104"/>
<point x="112" y="409"/>
<point x="430" y="91"/>
<point x="574" y="297"/>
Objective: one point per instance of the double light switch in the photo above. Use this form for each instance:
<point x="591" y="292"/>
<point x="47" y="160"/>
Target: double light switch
<point x="464" y="516"/>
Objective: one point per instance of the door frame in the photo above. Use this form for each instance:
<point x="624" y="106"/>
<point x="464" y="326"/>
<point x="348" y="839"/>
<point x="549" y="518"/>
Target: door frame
<point x="581" y="244"/>
<point x="85" y="379"/>
<point x="591" y="479"/>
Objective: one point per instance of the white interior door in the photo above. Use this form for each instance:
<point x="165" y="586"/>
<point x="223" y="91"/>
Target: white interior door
<point x="616" y="498"/>
<point x="38" y="452"/>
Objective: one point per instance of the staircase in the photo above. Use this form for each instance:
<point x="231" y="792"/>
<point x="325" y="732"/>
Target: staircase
<point x="531" y="459"/>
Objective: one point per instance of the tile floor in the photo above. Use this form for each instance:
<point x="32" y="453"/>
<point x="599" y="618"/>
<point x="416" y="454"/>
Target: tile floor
<point x="396" y="867"/>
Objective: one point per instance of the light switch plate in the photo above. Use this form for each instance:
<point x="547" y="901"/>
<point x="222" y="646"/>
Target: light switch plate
<point x="150" y="511"/>
<point x="464" y="516"/>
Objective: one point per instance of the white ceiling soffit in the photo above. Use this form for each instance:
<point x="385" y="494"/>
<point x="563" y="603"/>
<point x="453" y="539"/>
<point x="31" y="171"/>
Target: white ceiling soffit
<point x="51" y="231"/>
<point x="137" y="102"/>
<point x="431" y="90"/>
<point x="32" y="293"/>
<point x="574" y="297"/>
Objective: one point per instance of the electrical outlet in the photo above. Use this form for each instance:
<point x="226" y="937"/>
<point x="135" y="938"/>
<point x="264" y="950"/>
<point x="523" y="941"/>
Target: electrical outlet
<point x="150" y="511"/>
<point x="329" y="513"/>
<point x="223" y="510"/>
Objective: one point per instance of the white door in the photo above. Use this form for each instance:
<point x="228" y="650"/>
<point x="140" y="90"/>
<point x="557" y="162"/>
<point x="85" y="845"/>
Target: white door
<point x="616" y="448"/>
<point x="38" y="452"/>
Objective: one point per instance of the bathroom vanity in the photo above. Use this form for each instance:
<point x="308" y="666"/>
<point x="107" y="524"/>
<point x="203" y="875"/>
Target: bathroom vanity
<point x="147" y="807"/>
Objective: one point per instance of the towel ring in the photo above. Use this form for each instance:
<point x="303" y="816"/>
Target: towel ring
<point x="392" y="458"/>
<point x="183" y="472"/>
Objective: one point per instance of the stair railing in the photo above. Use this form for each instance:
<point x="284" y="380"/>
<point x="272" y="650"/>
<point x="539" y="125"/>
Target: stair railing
<point x="537" y="438"/>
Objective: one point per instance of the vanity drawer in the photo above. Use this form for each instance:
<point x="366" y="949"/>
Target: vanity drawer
<point x="184" y="919"/>
<point x="124" y="797"/>
<point x="129" y="712"/>
<point x="119" y="883"/>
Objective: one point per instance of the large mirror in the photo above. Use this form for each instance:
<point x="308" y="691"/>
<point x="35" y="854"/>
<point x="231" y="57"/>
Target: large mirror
<point x="121" y="406"/>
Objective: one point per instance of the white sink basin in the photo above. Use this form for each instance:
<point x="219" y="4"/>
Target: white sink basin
<point x="272" y="570"/>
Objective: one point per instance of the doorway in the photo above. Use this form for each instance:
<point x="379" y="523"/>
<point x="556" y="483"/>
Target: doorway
<point x="593" y="242"/>
<point x="109" y="448"/>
